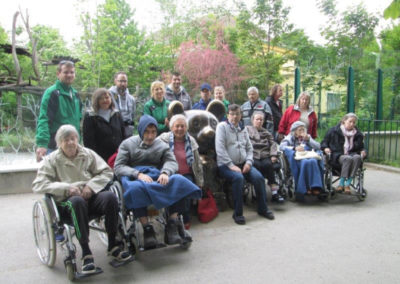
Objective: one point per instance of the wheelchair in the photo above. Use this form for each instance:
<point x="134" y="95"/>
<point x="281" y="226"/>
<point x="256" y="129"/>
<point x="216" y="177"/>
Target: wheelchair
<point x="289" y="185"/>
<point x="47" y="224"/>
<point x="332" y="176"/>
<point x="157" y="218"/>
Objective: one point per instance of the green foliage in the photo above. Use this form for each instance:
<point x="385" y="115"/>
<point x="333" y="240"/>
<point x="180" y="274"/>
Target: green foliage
<point x="393" y="10"/>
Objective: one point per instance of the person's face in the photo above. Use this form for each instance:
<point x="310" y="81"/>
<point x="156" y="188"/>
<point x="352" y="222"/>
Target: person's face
<point x="121" y="82"/>
<point x="300" y="132"/>
<point x="258" y="121"/>
<point x="279" y="93"/>
<point x="350" y="123"/>
<point x="304" y="102"/>
<point x="253" y="96"/>
<point x="105" y="101"/>
<point x="66" y="75"/>
<point x="205" y="95"/>
<point x="70" y="145"/>
<point x="219" y="94"/>
<point x="158" y="93"/>
<point x="234" y="117"/>
<point x="176" y="82"/>
<point x="150" y="134"/>
<point x="179" y="129"/>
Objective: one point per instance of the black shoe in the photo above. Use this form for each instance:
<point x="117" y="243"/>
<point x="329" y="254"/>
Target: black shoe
<point x="172" y="236"/>
<point x="118" y="254"/>
<point x="182" y="233"/>
<point x="267" y="214"/>
<point x="149" y="237"/>
<point x="88" y="266"/>
<point x="276" y="198"/>
<point x="240" y="220"/>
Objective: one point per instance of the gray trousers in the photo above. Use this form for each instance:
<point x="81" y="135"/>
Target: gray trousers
<point x="350" y="165"/>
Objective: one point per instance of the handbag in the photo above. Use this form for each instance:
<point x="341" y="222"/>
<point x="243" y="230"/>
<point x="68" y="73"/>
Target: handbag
<point x="207" y="208"/>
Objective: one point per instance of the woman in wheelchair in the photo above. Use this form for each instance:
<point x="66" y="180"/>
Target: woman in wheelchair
<point x="186" y="152"/>
<point x="76" y="177"/>
<point x="306" y="165"/>
<point x="146" y="166"/>
<point x="265" y="153"/>
<point x="344" y="144"/>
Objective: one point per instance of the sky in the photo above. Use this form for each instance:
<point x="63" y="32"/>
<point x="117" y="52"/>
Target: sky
<point x="64" y="14"/>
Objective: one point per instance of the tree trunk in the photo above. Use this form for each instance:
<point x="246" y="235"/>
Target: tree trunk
<point x="19" y="107"/>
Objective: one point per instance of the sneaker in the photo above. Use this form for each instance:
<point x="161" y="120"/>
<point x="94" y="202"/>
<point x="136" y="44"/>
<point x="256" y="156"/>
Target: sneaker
<point x="118" y="254"/>
<point x="182" y="233"/>
<point x="172" y="236"/>
<point x="88" y="266"/>
<point x="149" y="237"/>
<point x="276" y="198"/>
<point x="267" y="214"/>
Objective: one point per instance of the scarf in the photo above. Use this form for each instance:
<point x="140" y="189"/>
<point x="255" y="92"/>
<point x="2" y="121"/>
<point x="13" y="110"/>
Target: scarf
<point x="188" y="148"/>
<point x="348" y="139"/>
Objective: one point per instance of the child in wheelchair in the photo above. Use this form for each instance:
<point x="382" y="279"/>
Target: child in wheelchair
<point x="306" y="165"/>
<point x="77" y="177"/>
<point x="344" y="146"/>
<point x="146" y="166"/>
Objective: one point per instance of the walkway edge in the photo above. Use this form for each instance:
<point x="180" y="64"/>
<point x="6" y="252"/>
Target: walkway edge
<point x="383" y="168"/>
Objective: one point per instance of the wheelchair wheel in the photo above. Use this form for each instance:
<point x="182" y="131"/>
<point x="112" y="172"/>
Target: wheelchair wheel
<point x="69" y="268"/>
<point x="44" y="233"/>
<point x="290" y="187"/>
<point x="279" y="178"/>
<point x="359" y="186"/>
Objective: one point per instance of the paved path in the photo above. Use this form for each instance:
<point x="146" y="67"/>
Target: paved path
<point x="344" y="241"/>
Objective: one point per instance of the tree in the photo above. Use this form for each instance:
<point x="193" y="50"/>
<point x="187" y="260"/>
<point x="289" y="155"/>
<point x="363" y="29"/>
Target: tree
<point x="259" y="34"/>
<point x="113" y="42"/>
<point x="200" y="64"/>
<point x="393" y="10"/>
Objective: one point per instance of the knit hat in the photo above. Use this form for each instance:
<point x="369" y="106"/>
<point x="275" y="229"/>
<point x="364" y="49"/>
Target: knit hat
<point x="296" y="125"/>
<point x="144" y="122"/>
<point x="205" y="86"/>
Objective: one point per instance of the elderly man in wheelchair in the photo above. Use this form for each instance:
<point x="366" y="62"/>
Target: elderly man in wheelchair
<point x="146" y="166"/>
<point x="77" y="179"/>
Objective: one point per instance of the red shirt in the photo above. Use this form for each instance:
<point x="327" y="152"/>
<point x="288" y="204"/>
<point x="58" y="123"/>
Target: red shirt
<point x="292" y="115"/>
<point x="180" y="156"/>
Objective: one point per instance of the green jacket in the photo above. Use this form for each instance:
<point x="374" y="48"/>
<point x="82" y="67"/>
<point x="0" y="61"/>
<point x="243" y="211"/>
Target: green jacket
<point x="57" y="109"/>
<point x="159" y="111"/>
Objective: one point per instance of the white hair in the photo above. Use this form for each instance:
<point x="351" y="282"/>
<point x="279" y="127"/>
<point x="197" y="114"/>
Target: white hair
<point x="63" y="132"/>
<point x="175" y="118"/>
<point x="252" y="89"/>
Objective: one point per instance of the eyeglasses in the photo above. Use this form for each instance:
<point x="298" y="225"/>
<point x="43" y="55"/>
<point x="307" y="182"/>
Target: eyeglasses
<point x="122" y="81"/>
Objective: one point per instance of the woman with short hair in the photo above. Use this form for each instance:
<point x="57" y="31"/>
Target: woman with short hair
<point x="77" y="177"/>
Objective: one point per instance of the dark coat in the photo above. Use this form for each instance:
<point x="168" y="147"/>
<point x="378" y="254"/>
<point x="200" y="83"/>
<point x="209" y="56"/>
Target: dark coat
<point x="276" y="111"/>
<point x="334" y="140"/>
<point x="101" y="136"/>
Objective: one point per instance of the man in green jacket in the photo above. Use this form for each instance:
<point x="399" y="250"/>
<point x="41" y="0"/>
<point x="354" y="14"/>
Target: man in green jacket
<point x="60" y="105"/>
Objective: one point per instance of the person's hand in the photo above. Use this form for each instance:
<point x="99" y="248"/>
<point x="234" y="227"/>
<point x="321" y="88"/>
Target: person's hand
<point x="300" y="148"/>
<point x="280" y="137"/>
<point x="166" y="122"/>
<point x="40" y="153"/>
<point x="145" y="178"/>
<point x="327" y="151"/>
<point x="163" y="179"/>
<point x="235" y="169"/>
<point x="274" y="159"/>
<point x="74" y="190"/>
<point x="363" y="154"/>
<point x="246" y="168"/>
<point x="307" y="137"/>
<point x="87" y="192"/>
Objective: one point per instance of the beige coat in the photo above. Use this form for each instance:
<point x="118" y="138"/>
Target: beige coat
<point x="58" y="173"/>
<point x="197" y="167"/>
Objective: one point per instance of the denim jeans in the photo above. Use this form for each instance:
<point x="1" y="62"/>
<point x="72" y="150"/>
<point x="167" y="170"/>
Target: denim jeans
<point x="237" y="181"/>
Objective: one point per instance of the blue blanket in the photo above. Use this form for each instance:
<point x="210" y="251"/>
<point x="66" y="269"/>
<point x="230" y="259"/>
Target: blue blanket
<point x="307" y="173"/>
<point x="140" y="194"/>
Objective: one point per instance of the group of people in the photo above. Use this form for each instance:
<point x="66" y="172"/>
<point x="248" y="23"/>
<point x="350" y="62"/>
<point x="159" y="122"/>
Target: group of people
<point x="162" y="165"/>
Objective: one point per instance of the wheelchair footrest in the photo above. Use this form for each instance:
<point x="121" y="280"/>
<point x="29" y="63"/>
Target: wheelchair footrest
<point x="159" y="245"/>
<point x="115" y="263"/>
<point x="79" y="275"/>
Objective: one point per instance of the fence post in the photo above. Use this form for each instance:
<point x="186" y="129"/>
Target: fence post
<point x="287" y="95"/>
<point x="296" y="83"/>
<point x="350" y="90"/>
<point x="319" y="100"/>
<point x="379" y="97"/>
